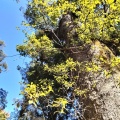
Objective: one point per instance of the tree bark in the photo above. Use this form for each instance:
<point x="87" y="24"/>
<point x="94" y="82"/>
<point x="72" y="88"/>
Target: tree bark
<point x="103" y="101"/>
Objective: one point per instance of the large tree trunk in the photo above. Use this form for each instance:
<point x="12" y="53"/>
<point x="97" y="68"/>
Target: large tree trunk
<point x="102" y="101"/>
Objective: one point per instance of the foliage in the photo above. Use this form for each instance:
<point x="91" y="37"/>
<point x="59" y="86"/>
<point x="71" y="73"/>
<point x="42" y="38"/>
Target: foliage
<point x="3" y="65"/>
<point x="3" y="115"/>
<point x="89" y="13"/>
<point x="3" y="94"/>
<point x="53" y="81"/>
<point x="3" y="101"/>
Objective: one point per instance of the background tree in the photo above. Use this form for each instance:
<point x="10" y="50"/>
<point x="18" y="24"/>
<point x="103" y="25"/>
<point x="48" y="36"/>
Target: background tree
<point x="3" y="102"/>
<point x="3" y="65"/>
<point x="3" y="94"/>
<point x="74" y="73"/>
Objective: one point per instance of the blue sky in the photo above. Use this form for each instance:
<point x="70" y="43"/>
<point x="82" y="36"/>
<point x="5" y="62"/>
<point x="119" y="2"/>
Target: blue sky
<point x="10" y="18"/>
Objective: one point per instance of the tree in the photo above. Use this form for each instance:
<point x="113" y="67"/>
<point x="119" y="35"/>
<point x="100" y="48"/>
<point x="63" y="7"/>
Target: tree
<point x="74" y="73"/>
<point x="3" y="65"/>
<point x="3" y="101"/>
<point x="3" y="94"/>
<point x="3" y="115"/>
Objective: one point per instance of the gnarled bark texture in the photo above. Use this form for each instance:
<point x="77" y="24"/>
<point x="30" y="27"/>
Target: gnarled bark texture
<point x="103" y="100"/>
